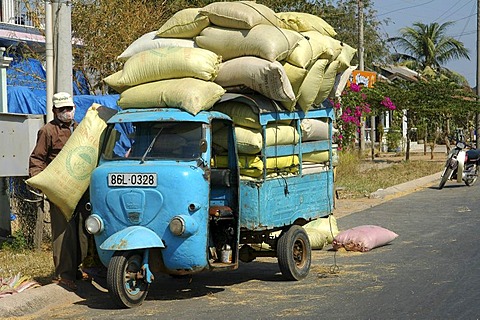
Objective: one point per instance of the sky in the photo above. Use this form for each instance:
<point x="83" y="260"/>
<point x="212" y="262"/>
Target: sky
<point x="403" y="13"/>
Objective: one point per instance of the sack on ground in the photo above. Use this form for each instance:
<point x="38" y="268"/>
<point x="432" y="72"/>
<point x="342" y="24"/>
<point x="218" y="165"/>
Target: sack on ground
<point x="170" y="63"/>
<point x="186" y="23"/>
<point x="189" y="94"/>
<point x="327" y="226"/>
<point x="363" y="238"/>
<point x="265" y="77"/>
<point x="67" y="177"/>
<point x="317" y="238"/>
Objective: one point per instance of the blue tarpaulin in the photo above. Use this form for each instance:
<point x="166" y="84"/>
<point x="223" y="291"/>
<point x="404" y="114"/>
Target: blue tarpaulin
<point x="26" y="90"/>
<point x="23" y="100"/>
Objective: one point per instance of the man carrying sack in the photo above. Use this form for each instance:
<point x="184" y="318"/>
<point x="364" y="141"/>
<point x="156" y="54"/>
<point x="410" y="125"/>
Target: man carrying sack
<point x="70" y="240"/>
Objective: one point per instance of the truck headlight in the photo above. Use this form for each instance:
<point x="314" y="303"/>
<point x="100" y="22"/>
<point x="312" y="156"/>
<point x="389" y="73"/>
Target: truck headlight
<point x="183" y="225"/>
<point x="94" y="224"/>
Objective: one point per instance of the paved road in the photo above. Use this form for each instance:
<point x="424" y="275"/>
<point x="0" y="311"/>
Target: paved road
<point x="431" y="271"/>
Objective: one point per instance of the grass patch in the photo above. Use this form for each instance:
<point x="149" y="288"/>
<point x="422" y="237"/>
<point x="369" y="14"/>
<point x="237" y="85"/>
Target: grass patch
<point x="361" y="177"/>
<point x="36" y="264"/>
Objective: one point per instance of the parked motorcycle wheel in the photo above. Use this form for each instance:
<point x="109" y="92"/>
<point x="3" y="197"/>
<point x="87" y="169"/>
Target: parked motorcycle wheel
<point x="446" y="175"/>
<point x="471" y="181"/>
<point x="294" y="253"/>
<point x="123" y="282"/>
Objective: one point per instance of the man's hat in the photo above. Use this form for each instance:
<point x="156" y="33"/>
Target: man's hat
<point x="62" y="99"/>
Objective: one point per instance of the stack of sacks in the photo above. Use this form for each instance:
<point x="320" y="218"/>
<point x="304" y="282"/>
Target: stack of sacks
<point x="170" y="71"/>
<point x="200" y="53"/>
<point x="248" y="133"/>
<point x="290" y="57"/>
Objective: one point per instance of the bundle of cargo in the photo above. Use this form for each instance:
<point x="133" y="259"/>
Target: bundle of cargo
<point x="241" y="47"/>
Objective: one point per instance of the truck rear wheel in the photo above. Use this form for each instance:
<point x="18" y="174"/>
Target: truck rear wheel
<point x="125" y="285"/>
<point x="294" y="253"/>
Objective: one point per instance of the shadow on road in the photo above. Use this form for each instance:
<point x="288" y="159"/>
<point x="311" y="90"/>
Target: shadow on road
<point x="167" y="288"/>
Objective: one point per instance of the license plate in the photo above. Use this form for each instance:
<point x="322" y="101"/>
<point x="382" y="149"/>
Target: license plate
<point x="132" y="179"/>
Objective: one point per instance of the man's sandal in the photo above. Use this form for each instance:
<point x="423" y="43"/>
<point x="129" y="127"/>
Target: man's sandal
<point x="67" y="284"/>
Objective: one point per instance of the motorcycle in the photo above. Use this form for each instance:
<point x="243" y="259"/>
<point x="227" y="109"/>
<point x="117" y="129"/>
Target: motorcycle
<point x="462" y="165"/>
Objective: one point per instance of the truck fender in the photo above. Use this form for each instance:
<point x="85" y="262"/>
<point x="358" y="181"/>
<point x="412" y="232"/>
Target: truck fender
<point x="135" y="237"/>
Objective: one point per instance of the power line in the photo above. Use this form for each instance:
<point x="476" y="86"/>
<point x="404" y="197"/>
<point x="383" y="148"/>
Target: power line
<point x="417" y="5"/>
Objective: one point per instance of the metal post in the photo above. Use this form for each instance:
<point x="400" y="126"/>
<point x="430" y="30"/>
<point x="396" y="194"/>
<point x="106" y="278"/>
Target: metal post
<point x="62" y="32"/>
<point x="477" y="118"/>
<point x="361" y="68"/>
<point x="50" y="69"/>
<point x="4" y="64"/>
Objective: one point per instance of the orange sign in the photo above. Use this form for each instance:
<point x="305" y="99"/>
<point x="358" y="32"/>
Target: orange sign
<point x="367" y="78"/>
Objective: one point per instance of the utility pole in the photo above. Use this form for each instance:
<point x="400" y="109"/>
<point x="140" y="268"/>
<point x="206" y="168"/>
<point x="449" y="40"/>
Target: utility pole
<point x="477" y="117"/>
<point x="361" y="67"/>
<point x="61" y="75"/>
<point x="361" y="134"/>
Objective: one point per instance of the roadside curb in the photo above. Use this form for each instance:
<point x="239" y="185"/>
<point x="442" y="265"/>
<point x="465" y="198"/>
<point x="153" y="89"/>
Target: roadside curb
<point x="406" y="187"/>
<point x="36" y="299"/>
<point x="346" y="207"/>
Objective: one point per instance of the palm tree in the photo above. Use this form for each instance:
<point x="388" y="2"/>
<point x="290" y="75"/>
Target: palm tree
<point x="426" y="45"/>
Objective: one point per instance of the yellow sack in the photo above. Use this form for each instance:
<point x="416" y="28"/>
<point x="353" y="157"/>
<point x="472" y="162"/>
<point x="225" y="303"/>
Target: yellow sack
<point x="302" y="21"/>
<point x="241" y="114"/>
<point x="252" y="166"/>
<point x="328" y="226"/>
<point x="296" y="76"/>
<point x="263" y="41"/>
<point x="67" y="177"/>
<point x="311" y="85"/>
<point x="314" y="129"/>
<point x="279" y="134"/>
<point x="249" y="141"/>
<point x="150" y="41"/>
<point x="189" y="94"/>
<point x="112" y="82"/>
<point x="314" y="46"/>
<point x="327" y="82"/>
<point x="316" y="157"/>
<point x="318" y="239"/>
<point x="323" y="47"/>
<point x="169" y="63"/>
<point x="263" y="76"/>
<point x="186" y="23"/>
<point x="345" y="57"/>
<point x="239" y="14"/>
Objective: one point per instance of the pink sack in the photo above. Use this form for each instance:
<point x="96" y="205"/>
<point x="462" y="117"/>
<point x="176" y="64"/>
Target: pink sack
<point x="363" y="238"/>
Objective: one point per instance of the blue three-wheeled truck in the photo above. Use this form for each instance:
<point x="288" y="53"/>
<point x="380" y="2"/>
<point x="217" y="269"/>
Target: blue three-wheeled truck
<point x="165" y="198"/>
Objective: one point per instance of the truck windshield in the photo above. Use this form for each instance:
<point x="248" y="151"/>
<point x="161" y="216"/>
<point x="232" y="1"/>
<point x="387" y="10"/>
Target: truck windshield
<point x="153" y="140"/>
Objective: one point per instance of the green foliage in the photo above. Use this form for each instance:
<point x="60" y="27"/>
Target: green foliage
<point x="18" y="244"/>
<point x="428" y="46"/>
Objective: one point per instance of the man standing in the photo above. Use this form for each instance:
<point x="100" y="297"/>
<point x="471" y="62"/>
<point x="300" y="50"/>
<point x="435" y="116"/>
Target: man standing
<point x="70" y="240"/>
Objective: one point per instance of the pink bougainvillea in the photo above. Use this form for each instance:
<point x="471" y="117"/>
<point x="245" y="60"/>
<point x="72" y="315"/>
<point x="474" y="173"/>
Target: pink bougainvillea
<point x="353" y="106"/>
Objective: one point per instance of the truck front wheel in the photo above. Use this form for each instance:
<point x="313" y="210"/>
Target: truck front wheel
<point x="125" y="282"/>
<point x="294" y="253"/>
